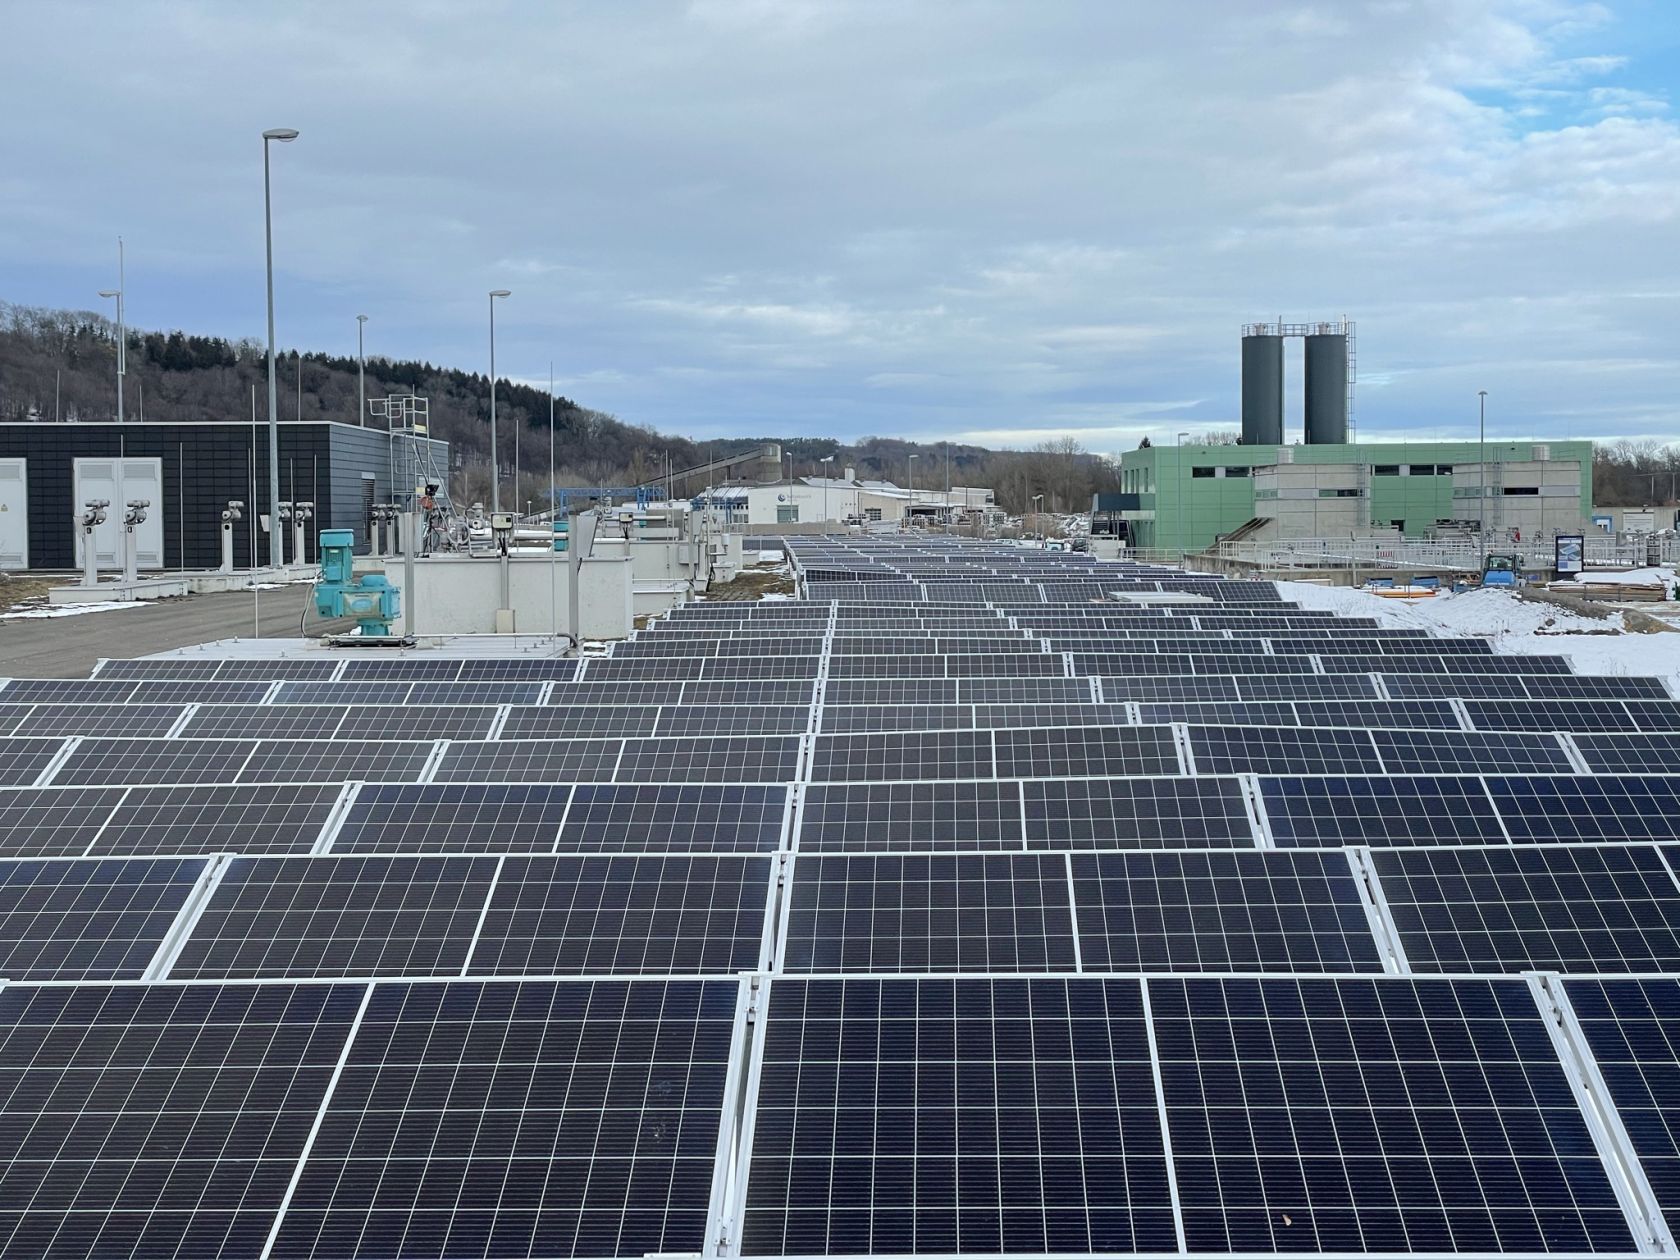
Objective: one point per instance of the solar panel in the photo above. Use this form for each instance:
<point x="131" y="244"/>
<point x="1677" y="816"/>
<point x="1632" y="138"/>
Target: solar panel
<point x="453" y="817"/>
<point x="1135" y="813"/>
<point x="941" y="1116"/>
<point x="1282" y="750"/>
<point x="1435" y="686"/>
<point x="1062" y="752"/>
<point x="1388" y="810"/>
<point x="244" y="818"/>
<point x="708" y="720"/>
<point x="1565" y="686"/>
<point x="1239" y="713"/>
<point x="841" y="719"/>
<point x="1580" y="908"/>
<point x="628" y="915"/>
<point x="336" y="761"/>
<point x="929" y="912"/>
<point x="414" y="721"/>
<point x="401" y="669"/>
<point x="22" y="761"/>
<point x="1169" y="689"/>
<point x="1549" y="715"/>
<point x="616" y="693"/>
<point x="159" y="1120"/>
<point x="902" y="755"/>
<point x="1407" y="714"/>
<point x="999" y="717"/>
<point x="118" y="761"/>
<point x="1023" y="690"/>
<point x="745" y="691"/>
<point x="1452" y="752"/>
<point x="530" y="761"/>
<point x="1601" y="807"/>
<point x="531" y="669"/>
<point x="735" y="759"/>
<point x="696" y="818"/>
<point x="1382" y="1115"/>
<point x="1221" y="911"/>
<point x="270" y="721"/>
<point x="231" y="692"/>
<point x="887" y="817"/>
<point x="89" y="919"/>
<point x="1309" y="687"/>
<point x="594" y="1134"/>
<point x="143" y="668"/>
<point x="11" y="715"/>
<point x="313" y="917"/>
<point x="1652" y="715"/>
<point x="1633" y="1030"/>
<point x="1631" y="754"/>
<point x="542" y="721"/>
<point x="99" y="719"/>
<point x="53" y="822"/>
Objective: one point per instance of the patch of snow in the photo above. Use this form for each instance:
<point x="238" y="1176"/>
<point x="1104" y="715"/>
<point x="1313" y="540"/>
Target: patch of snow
<point x="1634" y="577"/>
<point x="1512" y="625"/>
<point x="69" y="610"/>
<point x="769" y="557"/>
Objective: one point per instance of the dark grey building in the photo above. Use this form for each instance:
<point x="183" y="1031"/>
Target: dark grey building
<point x="192" y="471"/>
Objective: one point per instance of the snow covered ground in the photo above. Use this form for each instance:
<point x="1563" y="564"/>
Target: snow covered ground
<point x="66" y="610"/>
<point x="1512" y="625"/>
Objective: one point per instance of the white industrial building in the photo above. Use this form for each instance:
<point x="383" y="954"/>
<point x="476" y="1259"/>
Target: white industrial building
<point x="807" y="500"/>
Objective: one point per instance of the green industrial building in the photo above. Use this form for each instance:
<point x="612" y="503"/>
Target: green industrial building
<point x="1183" y="498"/>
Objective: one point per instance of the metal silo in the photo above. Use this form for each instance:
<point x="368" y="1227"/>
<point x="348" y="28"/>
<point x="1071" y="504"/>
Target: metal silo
<point x="1262" y="388"/>
<point x="1327" y="387"/>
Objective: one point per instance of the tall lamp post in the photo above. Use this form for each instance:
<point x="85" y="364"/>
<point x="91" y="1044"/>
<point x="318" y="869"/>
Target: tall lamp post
<point x="1038" y="516"/>
<point x="495" y="468"/>
<point x="913" y="459"/>
<point x="826" y="459"/>
<point x="361" y="372"/>
<point x="285" y="135"/>
<point x="1481" y="490"/>
<point x="122" y="335"/>
<point x="1179" y="460"/>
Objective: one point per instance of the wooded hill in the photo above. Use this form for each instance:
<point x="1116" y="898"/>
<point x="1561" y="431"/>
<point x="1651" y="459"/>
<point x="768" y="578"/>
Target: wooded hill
<point x="61" y="365"/>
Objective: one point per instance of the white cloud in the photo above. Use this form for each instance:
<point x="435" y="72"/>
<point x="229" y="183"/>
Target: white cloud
<point x="851" y="216"/>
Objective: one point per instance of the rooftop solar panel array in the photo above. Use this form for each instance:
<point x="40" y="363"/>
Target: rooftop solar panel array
<point x="981" y="900"/>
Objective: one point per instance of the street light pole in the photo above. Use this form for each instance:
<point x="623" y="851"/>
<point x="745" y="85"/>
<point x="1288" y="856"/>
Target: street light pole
<point x="1038" y="516"/>
<point x="495" y="468"/>
<point x="361" y="372"/>
<point x="285" y="135"/>
<point x="1481" y="490"/>
<point x="913" y="459"/>
<point x="1180" y="461"/>
<point x="122" y="335"/>
<point x="826" y="459"/>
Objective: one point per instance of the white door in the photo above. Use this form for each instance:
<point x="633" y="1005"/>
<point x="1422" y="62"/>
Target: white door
<point x="120" y="480"/>
<point x="14" y="514"/>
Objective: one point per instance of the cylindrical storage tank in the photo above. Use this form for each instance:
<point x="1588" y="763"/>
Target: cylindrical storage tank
<point x="1262" y="391"/>
<point x="1327" y="388"/>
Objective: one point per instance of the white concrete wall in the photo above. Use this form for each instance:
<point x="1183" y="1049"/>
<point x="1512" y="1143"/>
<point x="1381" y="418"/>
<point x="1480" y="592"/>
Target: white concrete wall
<point x="460" y="595"/>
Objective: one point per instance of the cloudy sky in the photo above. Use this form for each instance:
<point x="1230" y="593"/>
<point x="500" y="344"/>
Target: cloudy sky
<point x="991" y="219"/>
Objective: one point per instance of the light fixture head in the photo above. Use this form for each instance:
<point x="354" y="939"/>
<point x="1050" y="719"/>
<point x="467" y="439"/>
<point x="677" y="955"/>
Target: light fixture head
<point x="501" y="293"/>
<point x="285" y="135"/>
<point x="361" y="319"/>
<point x="110" y="293"/>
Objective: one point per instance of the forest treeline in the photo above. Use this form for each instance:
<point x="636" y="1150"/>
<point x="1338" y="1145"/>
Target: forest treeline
<point x="61" y="365"/>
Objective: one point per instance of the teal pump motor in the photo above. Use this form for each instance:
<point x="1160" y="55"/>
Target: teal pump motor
<point x="340" y="593"/>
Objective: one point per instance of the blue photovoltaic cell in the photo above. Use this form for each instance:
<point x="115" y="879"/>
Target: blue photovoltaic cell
<point x="1384" y="1114"/>
<point x="565" y="1118"/>
<point x="915" y="1116"/>
<point x="1633" y="1030"/>
<point x="158" y="1120"/>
